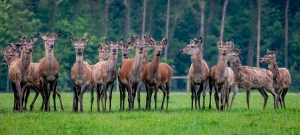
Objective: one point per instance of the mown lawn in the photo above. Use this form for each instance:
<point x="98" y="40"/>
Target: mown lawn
<point x="179" y="119"/>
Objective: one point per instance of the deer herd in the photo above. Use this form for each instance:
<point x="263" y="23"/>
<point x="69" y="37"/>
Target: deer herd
<point x="42" y="77"/>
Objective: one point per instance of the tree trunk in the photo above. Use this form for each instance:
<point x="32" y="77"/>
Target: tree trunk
<point x="144" y="17"/>
<point x="106" y="17"/>
<point x="286" y="40"/>
<point x="211" y="13"/>
<point x="151" y="4"/>
<point x="167" y="28"/>
<point x="202" y="5"/>
<point x="222" y="23"/>
<point x="127" y="23"/>
<point x="252" y="34"/>
<point x="258" y="33"/>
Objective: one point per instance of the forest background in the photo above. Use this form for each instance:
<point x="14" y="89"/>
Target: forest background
<point x="254" y="25"/>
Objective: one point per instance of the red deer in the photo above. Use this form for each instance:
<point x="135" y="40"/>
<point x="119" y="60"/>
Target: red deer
<point x="103" y="55"/>
<point x="104" y="74"/>
<point x="81" y="73"/>
<point x="156" y="75"/>
<point x="281" y="76"/>
<point x="198" y="73"/>
<point x="251" y="77"/>
<point x="219" y="75"/>
<point x="129" y="74"/>
<point x="49" y="69"/>
<point x="18" y="70"/>
<point x="125" y="49"/>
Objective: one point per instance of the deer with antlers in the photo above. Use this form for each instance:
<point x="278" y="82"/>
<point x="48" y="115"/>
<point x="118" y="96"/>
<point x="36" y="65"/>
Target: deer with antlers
<point x="104" y="74"/>
<point x="198" y="73"/>
<point x="156" y="75"/>
<point x="251" y="77"/>
<point x="281" y="76"/>
<point x="49" y="68"/>
<point x="219" y="75"/>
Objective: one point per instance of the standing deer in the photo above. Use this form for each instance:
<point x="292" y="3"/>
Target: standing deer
<point x="129" y="74"/>
<point x="104" y="74"/>
<point x="103" y="55"/>
<point x="81" y="73"/>
<point x="49" y="69"/>
<point x="251" y="77"/>
<point x="219" y="75"/>
<point x="155" y="75"/>
<point x="198" y="73"/>
<point x="281" y="76"/>
<point x="19" y="69"/>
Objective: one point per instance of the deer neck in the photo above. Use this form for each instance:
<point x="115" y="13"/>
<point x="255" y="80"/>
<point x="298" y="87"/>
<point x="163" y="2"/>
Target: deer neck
<point x="112" y="61"/>
<point x="155" y="63"/>
<point x="222" y="64"/>
<point x="79" y="62"/>
<point x="145" y="60"/>
<point x="273" y="67"/>
<point x="197" y="61"/>
<point x="49" y="57"/>
<point x="25" y="60"/>
<point x="138" y="58"/>
<point x="236" y="67"/>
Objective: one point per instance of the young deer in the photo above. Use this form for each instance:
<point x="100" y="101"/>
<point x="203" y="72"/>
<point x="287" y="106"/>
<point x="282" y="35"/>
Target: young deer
<point x="281" y="76"/>
<point x="49" y="68"/>
<point x="104" y="74"/>
<point x="198" y="73"/>
<point x="103" y="55"/>
<point x="81" y="73"/>
<point x="251" y="77"/>
<point x="155" y="75"/>
<point x="219" y="75"/>
<point x="129" y="74"/>
<point x="18" y="70"/>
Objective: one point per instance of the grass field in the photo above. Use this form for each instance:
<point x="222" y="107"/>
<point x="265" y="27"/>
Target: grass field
<point x="179" y="119"/>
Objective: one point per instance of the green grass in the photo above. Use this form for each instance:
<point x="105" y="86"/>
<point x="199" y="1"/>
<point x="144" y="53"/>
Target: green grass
<point x="179" y="119"/>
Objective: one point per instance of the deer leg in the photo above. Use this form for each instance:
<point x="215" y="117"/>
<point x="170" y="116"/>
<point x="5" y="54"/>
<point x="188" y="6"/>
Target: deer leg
<point x="139" y="95"/>
<point x="155" y="97"/>
<point x="92" y="97"/>
<point x="121" y="95"/>
<point x="283" y="96"/>
<point x="193" y="94"/>
<point x="147" y="96"/>
<point x="98" y="96"/>
<point x="200" y="90"/>
<point x="54" y="94"/>
<point x="228" y="90"/>
<point x="130" y="98"/>
<point x="59" y="96"/>
<point x="134" y="88"/>
<point x="248" y="95"/>
<point x="20" y="96"/>
<point x="210" y="92"/>
<point x="223" y="96"/>
<point x="236" y="90"/>
<point x="103" y="98"/>
<point x="217" y="96"/>
<point x="163" y="89"/>
<point x="83" y="88"/>
<point x="110" y="95"/>
<point x="279" y="93"/>
<point x="272" y="91"/>
<point x="27" y="91"/>
<point x="204" y="94"/>
<point x="35" y="97"/>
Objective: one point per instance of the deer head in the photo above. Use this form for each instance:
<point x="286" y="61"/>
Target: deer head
<point x="16" y="47"/>
<point x="114" y="46"/>
<point x="125" y="48"/>
<point x="8" y="55"/>
<point x="225" y="48"/>
<point x="193" y="47"/>
<point x="139" y="44"/>
<point x="104" y="52"/>
<point x="270" y="57"/>
<point x="27" y="46"/>
<point x="233" y="54"/>
<point x="158" y="47"/>
<point x="79" y="45"/>
<point x="49" y="39"/>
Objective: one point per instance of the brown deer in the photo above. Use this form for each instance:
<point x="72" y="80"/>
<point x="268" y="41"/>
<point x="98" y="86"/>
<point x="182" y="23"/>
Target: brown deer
<point x="49" y="68"/>
<point x="81" y="73"/>
<point x="198" y="72"/>
<point x="155" y="75"/>
<point x="103" y="55"/>
<point x="129" y="74"/>
<point x="219" y="75"/>
<point x="18" y="70"/>
<point x="104" y="74"/>
<point x="281" y="76"/>
<point x="251" y="77"/>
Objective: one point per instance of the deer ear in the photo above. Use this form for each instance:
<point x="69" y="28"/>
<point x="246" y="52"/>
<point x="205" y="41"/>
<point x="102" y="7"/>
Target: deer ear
<point x="268" y="51"/>
<point x="200" y="40"/>
<point x="34" y="39"/>
<point x="276" y="51"/>
<point x="106" y="42"/>
<point x="192" y="41"/>
<point x="134" y="38"/>
<point x="121" y="42"/>
<point x="164" y="41"/>
<point x="86" y="40"/>
<point x="230" y="44"/>
<point x="10" y="44"/>
<point x="99" y="46"/>
<point x="22" y="39"/>
<point x="239" y="50"/>
<point x="72" y="40"/>
<point x="218" y="42"/>
<point x="3" y="49"/>
<point x="57" y="35"/>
